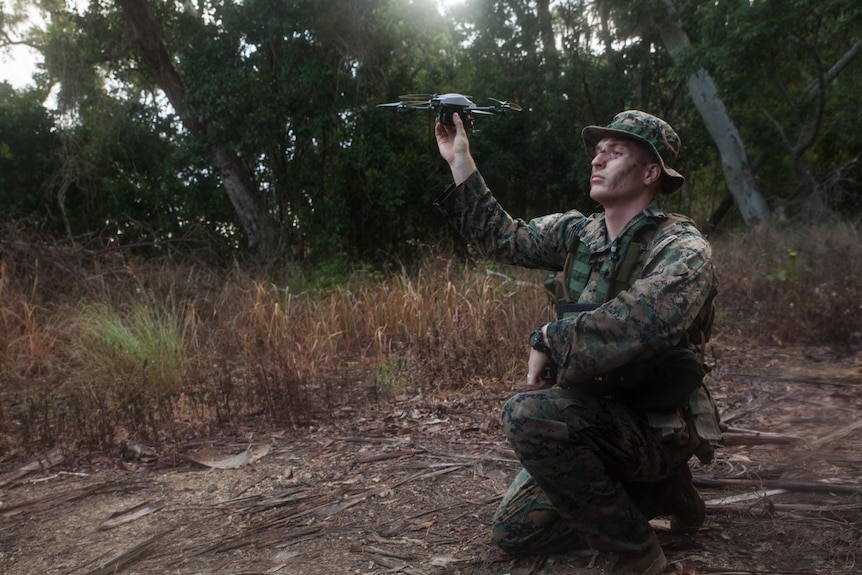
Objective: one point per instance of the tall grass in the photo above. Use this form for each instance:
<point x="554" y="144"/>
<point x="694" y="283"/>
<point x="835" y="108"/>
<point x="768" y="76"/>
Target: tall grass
<point x="129" y="365"/>
<point x="97" y="347"/>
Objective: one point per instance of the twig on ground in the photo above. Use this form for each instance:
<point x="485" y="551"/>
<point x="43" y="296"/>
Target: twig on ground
<point x="733" y="499"/>
<point x="125" y="558"/>
<point x="390" y="455"/>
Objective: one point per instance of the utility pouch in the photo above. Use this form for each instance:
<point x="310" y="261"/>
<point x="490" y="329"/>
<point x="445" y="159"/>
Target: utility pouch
<point x="703" y="419"/>
<point x="661" y="383"/>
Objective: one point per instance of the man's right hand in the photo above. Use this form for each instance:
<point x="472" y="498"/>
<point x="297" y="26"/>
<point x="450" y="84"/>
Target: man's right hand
<point x="536" y="370"/>
<point x="454" y="147"/>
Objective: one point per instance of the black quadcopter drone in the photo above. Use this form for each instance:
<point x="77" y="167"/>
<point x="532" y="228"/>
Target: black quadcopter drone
<point x="448" y="104"/>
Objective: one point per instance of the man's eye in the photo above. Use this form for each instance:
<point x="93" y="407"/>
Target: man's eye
<point x="611" y="153"/>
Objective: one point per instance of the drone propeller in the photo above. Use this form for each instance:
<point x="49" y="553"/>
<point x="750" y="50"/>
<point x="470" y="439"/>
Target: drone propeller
<point x="507" y="105"/>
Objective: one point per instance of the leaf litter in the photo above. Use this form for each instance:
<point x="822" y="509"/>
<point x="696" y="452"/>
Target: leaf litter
<point x="383" y="493"/>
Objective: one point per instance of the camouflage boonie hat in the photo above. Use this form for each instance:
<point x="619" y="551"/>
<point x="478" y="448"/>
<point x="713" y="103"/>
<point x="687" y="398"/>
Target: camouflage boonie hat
<point x="652" y="131"/>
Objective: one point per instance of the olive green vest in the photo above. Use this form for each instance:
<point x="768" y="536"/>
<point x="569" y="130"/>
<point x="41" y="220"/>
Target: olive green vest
<point x="616" y="274"/>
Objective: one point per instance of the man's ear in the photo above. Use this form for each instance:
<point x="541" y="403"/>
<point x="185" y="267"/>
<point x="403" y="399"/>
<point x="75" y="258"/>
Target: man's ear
<point x="653" y="174"/>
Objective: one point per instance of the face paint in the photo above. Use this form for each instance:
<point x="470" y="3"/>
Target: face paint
<point x="619" y="172"/>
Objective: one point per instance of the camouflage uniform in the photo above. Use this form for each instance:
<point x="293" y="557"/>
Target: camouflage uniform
<point x="582" y="449"/>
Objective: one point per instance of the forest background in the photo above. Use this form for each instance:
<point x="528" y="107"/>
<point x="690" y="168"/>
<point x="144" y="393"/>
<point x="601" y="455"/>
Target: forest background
<point x="205" y="215"/>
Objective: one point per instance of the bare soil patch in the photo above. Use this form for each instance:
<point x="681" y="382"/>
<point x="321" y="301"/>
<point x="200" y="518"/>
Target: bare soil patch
<point x="411" y="487"/>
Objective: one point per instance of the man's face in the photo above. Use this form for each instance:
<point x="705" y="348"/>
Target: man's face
<point x="621" y="171"/>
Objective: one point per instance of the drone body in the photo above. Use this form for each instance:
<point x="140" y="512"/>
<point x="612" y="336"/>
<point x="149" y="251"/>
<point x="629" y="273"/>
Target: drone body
<point x="446" y="105"/>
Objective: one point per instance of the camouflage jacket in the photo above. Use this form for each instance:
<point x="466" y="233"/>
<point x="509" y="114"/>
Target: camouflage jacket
<point x="675" y="276"/>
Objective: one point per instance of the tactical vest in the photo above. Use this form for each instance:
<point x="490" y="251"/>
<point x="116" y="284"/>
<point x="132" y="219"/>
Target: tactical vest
<point x="665" y="385"/>
<point x="617" y="274"/>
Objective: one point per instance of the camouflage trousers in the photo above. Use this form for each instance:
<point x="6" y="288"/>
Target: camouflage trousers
<point x="578" y="452"/>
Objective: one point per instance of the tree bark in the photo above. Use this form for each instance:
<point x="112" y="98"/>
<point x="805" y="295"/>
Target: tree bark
<point x="236" y="178"/>
<point x="734" y="163"/>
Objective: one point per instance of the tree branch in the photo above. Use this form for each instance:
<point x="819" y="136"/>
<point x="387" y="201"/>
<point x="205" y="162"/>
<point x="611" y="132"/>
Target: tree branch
<point x="835" y="70"/>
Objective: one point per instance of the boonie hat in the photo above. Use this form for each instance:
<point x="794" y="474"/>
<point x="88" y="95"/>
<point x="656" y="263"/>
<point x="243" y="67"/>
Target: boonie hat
<point x="652" y="131"/>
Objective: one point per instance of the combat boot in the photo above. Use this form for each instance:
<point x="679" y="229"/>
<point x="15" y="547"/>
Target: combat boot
<point x="650" y="562"/>
<point x="681" y="500"/>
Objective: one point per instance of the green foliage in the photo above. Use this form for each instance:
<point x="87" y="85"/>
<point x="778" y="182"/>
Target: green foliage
<point x="132" y="364"/>
<point x="789" y="271"/>
<point x="28" y="154"/>
<point x="772" y="60"/>
<point x="391" y="376"/>
<point x="291" y="88"/>
<point x="142" y="344"/>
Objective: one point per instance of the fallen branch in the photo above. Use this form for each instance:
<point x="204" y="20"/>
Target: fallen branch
<point x="734" y="499"/>
<point x="55" y="456"/>
<point x="840" y="433"/>
<point x="59" y="474"/>
<point x="737" y="436"/>
<point x="127" y="515"/>
<point x="790" y="485"/>
<point x="827" y="510"/>
<point x="800" y="380"/>
<point x="725" y="571"/>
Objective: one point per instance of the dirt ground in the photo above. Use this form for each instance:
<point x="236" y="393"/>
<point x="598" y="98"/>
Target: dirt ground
<point x="411" y="487"/>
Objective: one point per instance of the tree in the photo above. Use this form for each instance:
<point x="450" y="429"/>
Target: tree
<point x="276" y="98"/>
<point x="704" y="94"/>
<point x="275" y="95"/>
<point x="29" y="148"/>
<point x="238" y="182"/>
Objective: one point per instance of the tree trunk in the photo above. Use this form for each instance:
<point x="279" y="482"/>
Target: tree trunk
<point x="737" y="171"/>
<point x="236" y="178"/>
<point x="549" y="48"/>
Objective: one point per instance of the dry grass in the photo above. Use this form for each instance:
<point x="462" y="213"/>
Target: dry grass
<point x="793" y="285"/>
<point x="100" y="348"/>
<point x="97" y="347"/>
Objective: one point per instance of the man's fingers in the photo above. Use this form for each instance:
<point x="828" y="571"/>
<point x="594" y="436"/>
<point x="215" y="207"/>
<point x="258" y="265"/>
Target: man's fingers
<point x="459" y="124"/>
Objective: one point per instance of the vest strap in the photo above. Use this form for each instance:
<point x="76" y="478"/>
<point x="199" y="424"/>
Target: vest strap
<point x="578" y="267"/>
